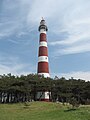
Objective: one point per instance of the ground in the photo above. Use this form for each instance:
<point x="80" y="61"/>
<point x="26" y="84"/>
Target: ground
<point x="43" y="111"/>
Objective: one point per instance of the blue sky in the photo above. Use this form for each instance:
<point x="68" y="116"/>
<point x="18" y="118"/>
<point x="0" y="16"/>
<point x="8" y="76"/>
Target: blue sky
<point x="68" y="37"/>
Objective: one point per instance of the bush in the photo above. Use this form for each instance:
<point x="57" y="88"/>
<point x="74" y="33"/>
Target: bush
<point x="75" y="104"/>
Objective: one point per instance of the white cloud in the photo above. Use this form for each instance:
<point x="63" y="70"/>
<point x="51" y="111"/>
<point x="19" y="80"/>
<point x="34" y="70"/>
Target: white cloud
<point x="71" y="17"/>
<point x="17" y="69"/>
<point x="13" y="17"/>
<point x="9" y="64"/>
<point x="78" y="38"/>
<point x="75" y="21"/>
<point x="75" y="49"/>
<point x="46" y="8"/>
<point x="77" y="75"/>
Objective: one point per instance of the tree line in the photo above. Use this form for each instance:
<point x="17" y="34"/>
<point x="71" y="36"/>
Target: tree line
<point x="23" y="88"/>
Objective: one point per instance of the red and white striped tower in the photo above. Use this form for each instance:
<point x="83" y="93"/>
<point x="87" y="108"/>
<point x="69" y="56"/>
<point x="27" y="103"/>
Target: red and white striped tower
<point x="43" y="66"/>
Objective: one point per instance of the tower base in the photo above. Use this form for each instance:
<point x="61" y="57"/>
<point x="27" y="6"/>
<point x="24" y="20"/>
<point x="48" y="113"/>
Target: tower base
<point x="43" y="96"/>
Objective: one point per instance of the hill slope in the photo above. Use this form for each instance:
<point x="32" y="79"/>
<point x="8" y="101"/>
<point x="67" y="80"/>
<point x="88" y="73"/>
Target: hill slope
<point x="42" y="111"/>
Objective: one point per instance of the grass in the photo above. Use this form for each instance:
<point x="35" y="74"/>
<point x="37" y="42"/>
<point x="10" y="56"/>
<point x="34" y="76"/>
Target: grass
<point x="42" y="111"/>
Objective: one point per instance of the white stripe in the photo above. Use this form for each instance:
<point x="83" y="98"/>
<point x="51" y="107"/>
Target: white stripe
<point x="44" y="74"/>
<point x="43" y="44"/>
<point x="43" y="59"/>
<point x="42" y="31"/>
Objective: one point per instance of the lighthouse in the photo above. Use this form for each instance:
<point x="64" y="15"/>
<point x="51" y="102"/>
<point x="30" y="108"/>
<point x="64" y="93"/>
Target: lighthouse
<point x="43" y="65"/>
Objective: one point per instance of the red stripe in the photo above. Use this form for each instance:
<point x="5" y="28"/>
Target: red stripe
<point x="43" y="51"/>
<point x="43" y="67"/>
<point x="43" y="37"/>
